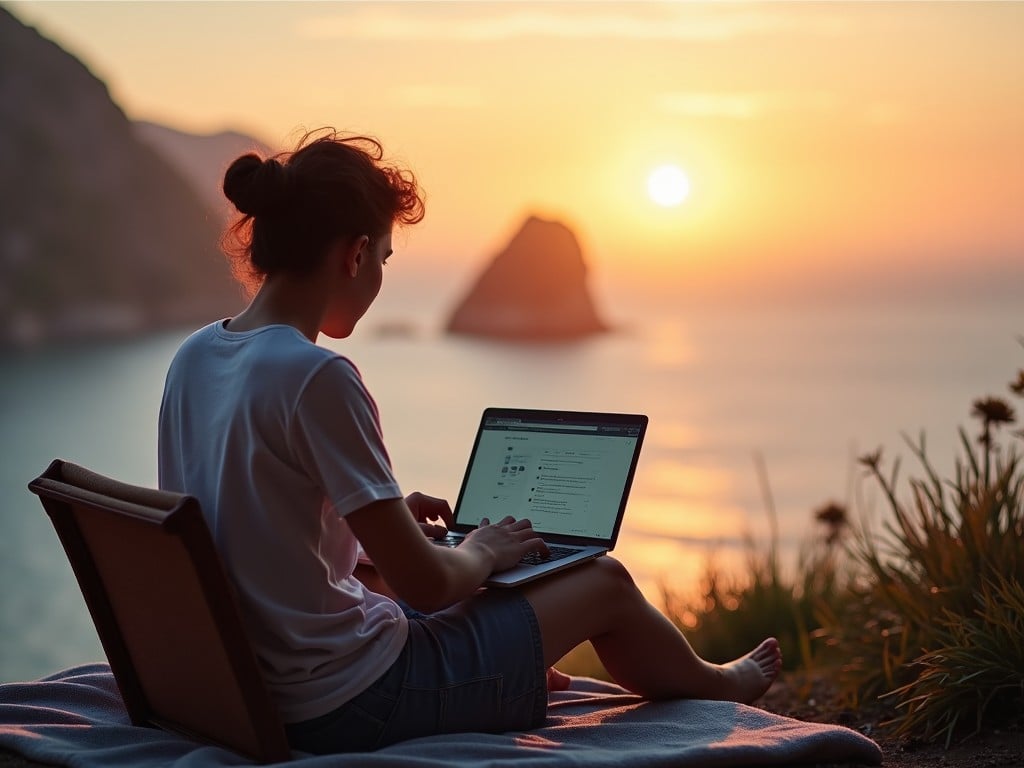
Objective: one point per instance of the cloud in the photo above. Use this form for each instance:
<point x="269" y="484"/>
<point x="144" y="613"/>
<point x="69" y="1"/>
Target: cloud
<point x="731" y="105"/>
<point x="742" y="106"/>
<point x="438" y="96"/>
<point x="492" y="22"/>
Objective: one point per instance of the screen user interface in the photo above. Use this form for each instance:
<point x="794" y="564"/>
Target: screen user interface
<point x="567" y="478"/>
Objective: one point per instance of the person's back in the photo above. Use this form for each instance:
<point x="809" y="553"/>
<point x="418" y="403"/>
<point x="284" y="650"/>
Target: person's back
<point x="239" y="426"/>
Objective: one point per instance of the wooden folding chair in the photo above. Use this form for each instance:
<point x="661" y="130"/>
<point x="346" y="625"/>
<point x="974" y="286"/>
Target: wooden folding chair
<point x="164" y="610"/>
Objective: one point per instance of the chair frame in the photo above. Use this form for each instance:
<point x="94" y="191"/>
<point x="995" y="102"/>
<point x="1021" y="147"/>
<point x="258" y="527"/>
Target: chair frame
<point x="71" y="495"/>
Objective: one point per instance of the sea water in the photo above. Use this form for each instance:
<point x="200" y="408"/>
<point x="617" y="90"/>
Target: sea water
<point x="750" y="409"/>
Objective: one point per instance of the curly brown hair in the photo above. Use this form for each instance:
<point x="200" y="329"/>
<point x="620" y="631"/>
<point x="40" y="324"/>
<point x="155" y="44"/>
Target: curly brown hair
<point x="296" y="204"/>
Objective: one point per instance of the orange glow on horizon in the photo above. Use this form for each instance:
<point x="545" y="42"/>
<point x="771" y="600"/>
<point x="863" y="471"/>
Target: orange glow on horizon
<point x="563" y="110"/>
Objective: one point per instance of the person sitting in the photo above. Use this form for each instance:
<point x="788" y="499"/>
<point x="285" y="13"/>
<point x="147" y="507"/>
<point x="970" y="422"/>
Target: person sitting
<point x="281" y="442"/>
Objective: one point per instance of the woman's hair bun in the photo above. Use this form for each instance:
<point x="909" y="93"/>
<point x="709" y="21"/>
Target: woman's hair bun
<point x="255" y="186"/>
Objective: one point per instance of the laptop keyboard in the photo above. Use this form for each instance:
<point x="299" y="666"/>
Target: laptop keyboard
<point x="530" y="558"/>
<point x="556" y="553"/>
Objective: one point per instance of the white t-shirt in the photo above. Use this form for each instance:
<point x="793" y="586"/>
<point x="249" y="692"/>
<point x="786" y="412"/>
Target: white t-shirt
<point x="279" y="440"/>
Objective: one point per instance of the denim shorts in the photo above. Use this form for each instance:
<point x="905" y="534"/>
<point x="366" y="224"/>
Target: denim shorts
<point x="477" y="666"/>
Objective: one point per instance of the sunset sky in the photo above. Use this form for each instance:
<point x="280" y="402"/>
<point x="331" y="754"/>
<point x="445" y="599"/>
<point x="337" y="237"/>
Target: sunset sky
<point x="816" y="136"/>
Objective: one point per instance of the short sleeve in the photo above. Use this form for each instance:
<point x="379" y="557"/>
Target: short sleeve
<point x="337" y="439"/>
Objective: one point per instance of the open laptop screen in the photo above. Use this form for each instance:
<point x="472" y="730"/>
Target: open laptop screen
<point x="568" y="472"/>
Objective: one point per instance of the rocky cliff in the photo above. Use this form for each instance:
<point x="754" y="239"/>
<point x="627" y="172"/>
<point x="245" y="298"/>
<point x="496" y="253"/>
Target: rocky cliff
<point x="98" y="233"/>
<point x="201" y="158"/>
<point x="533" y="290"/>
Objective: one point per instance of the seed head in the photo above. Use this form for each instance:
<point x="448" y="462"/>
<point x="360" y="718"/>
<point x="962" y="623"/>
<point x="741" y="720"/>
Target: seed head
<point x="993" y="410"/>
<point x="871" y="460"/>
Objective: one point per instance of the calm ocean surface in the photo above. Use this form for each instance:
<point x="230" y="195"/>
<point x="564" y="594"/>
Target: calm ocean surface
<point x="807" y="391"/>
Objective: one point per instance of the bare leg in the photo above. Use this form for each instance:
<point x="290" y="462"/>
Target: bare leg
<point x="641" y="649"/>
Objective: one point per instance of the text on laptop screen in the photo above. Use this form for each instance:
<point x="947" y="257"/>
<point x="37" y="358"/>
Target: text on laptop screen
<point x="567" y="478"/>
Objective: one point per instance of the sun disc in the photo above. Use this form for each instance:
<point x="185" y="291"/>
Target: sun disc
<point x="668" y="186"/>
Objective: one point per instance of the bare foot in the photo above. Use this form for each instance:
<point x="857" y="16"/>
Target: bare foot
<point x="746" y="679"/>
<point x="558" y="680"/>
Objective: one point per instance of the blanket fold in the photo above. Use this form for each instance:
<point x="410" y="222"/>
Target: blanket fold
<point x="76" y="718"/>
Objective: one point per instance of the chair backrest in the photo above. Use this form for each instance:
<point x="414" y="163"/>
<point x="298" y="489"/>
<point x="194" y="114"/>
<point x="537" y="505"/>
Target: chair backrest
<point x="164" y="610"/>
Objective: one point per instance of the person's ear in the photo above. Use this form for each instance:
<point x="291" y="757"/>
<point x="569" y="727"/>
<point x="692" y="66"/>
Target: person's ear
<point x="353" y="254"/>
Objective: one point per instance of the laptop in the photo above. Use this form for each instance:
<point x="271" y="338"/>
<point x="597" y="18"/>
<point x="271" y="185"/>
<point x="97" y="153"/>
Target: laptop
<point x="567" y="472"/>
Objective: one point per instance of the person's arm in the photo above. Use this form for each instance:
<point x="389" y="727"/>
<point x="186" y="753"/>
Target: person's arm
<point x="426" y="509"/>
<point x="429" y="577"/>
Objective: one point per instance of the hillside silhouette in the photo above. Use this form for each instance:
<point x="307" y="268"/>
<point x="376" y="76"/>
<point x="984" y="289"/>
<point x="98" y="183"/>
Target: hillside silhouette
<point x="99" y="234"/>
<point x="201" y="159"/>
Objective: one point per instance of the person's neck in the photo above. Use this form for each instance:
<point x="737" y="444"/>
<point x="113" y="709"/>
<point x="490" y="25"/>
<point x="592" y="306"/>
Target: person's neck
<point x="283" y="301"/>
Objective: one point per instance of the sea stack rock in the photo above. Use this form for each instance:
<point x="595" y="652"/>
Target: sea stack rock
<point x="534" y="290"/>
